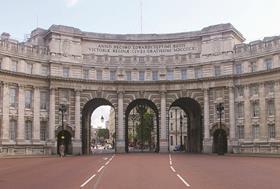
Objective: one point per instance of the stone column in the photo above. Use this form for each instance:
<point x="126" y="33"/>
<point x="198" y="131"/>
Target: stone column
<point x="77" y="145"/>
<point x="207" y="143"/>
<point x="232" y="136"/>
<point x="163" y="127"/>
<point x="231" y="113"/>
<point x="247" y="114"/>
<point x="36" y="115"/>
<point x="262" y="116"/>
<point x="77" y="116"/>
<point x="21" y="108"/>
<point x="5" y="113"/>
<point x="277" y="109"/>
<point x="120" y="145"/>
<point x="52" y="116"/>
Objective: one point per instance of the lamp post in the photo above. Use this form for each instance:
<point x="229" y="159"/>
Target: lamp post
<point x="181" y="130"/>
<point x="176" y="133"/>
<point x="141" y="108"/>
<point x="220" y="109"/>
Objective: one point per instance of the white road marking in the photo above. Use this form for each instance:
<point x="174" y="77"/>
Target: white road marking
<point x="172" y="168"/>
<point x="105" y="158"/>
<point x="100" y="168"/>
<point x="185" y="182"/>
<point x="87" y="181"/>
<point x="170" y="162"/>
<point x="107" y="162"/>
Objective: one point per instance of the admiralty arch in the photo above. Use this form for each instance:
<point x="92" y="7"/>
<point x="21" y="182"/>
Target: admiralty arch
<point x="197" y="71"/>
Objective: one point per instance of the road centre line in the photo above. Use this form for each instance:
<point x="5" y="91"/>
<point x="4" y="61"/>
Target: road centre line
<point x="87" y="181"/>
<point x="100" y="168"/>
<point x="107" y="162"/>
<point x="172" y="168"/>
<point x="183" y="180"/>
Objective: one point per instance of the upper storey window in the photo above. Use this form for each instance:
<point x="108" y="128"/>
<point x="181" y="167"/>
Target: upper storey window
<point x="268" y="64"/>
<point x="65" y="72"/>
<point x="269" y="88"/>
<point x="99" y="75"/>
<point x="170" y="75"/>
<point x="13" y="97"/>
<point x="141" y="75"/>
<point x="28" y="68"/>
<point x="128" y="75"/>
<point x="85" y="73"/>
<point x="183" y="74"/>
<point x="28" y="99"/>
<point x="253" y="66"/>
<point x="14" y="66"/>
<point x="197" y="73"/>
<point x="44" y="70"/>
<point x="238" y="68"/>
<point x="254" y="90"/>
<point x="240" y="91"/>
<point x="43" y="100"/>
<point x="155" y="75"/>
<point x="217" y="70"/>
<point x="113" y="75"/>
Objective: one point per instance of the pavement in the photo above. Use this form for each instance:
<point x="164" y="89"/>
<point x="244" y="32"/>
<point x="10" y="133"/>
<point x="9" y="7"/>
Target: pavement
<point x="141" y="171"/>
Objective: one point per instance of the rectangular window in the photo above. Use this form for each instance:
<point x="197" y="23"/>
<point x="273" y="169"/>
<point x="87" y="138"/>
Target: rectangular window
<point x="255" y="109"/>
<point x="43" y="100"/>
<point x="253" y="66"/>
<point x="238" y="68"/>
<point x="141" y="75"/>
<point x="170" y="75"/>
<point x="217" y="70"/>
<point x="268" y="64"/>
<point x="197" y="73"/>
<point x="155" y="75"/>
<point x="13" y="130"/>
<point x="28" y="130"/>
<point x="28" y="99"/>
<point x="43" y="130"/>
<point x="65" y="72"/>
<point x="240" y="132"/>
<point x="270" y="108"/>
<point x="255" y="131"/>
<point x="44" y="70"/>
<point x="113" y="75"/>
<point x="99" y="74"/>
<point x="269" y="88"/>
<point x="85" y="73"/>
<point x="240" y="110"/>
<point x="171" y="140"/>
<point x="271" y="131"/>
<point x="14" y="65"/>
<point x="128" y="75"/>
<point x="13" y="97"/>
<point x="184" y="74"/>
<point x="28" y="68"/>
<point x="171" y="126"/>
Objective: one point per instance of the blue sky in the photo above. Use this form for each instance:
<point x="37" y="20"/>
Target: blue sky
<point x="255" y="19"/>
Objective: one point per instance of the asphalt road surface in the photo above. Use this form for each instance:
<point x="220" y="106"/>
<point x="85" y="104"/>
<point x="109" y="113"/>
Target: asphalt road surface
<point x="141" y="171"/>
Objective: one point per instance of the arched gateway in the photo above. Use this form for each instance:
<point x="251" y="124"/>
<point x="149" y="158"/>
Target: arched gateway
<point x="196" y="71"/>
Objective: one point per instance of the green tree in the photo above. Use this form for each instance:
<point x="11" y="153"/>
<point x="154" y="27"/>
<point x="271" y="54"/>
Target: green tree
<point x="103" y="133"/>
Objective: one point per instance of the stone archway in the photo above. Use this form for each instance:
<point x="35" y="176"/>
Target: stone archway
<point x="220" y="134"/>
<point x="87" y="111"/>
<point x="194" y="123"/>
<point x="151" y="105"/>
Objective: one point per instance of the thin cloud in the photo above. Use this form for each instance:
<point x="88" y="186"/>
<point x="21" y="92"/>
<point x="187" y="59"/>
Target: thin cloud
<point x="71" y="3"/>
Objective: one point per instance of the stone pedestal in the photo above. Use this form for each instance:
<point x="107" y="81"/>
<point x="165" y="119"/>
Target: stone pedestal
<point x="77" y="147"/>
<point x="208" y="146"/>
<point x="120" y="146"/>
<point x="163" y="146"/>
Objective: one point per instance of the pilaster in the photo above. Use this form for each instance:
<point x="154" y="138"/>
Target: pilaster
<point x="277" y="109"/>
<point x="120" y="146"/>
<point x="207" y="143"/>
<point x="77" y="115"/>
<point x="262" y="116"/>
<point x="36" y="116"/>
<point x="247" y="114"/>
<point x="21" y="107"/>
<point x="231" y="113"/>
<point x="5" y="113"/>
<point x="52" y="115"/>
<point x="163" y="128"/>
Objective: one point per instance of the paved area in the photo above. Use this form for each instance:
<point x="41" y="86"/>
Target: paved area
<point x="141" y="171"/>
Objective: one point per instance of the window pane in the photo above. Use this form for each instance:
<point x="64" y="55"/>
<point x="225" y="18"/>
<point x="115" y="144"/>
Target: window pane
<point x="99" y="75"/>
<point x="13" y="97"/>
<point x="155" y="75"/>
<point x="112" y="75"/>
<point x="28" y="99"/>
<point x="141" y="75"/>
<point x="170" y="75"/>
<point x="184" y="74"/>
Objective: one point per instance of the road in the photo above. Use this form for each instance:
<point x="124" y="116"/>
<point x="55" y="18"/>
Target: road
<point x="140" y="171"/>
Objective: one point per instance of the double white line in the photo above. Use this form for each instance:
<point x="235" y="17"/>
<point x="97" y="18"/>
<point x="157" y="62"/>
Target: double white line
<point x="174" y="171"/>
<point x="100" y="169"/>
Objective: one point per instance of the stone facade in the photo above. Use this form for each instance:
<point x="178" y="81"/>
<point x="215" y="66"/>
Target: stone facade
<point x="192" y="70"/>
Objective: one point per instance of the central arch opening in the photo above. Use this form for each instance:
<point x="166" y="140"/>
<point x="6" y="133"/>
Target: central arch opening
<point x="141" y="126"/>
<point x="190" y="131"/>
<point x="98" y="127"/>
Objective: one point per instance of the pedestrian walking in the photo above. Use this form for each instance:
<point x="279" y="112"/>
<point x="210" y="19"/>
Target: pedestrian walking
<point x="61" y="150"/>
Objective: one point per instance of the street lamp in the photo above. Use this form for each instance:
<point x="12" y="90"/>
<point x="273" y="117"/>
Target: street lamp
<point x="220" y="109"/>
<point x="181" y="137"/>
<point x="102" y="119"/>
